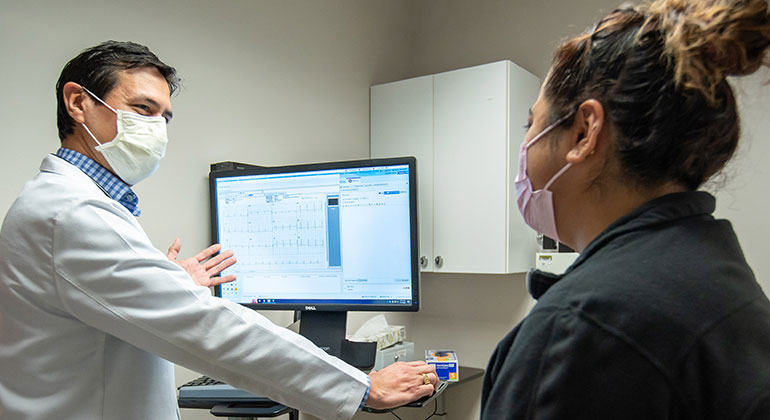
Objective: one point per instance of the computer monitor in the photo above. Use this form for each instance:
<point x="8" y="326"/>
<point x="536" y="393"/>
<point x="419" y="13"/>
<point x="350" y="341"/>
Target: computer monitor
<point x="322" y="239"/>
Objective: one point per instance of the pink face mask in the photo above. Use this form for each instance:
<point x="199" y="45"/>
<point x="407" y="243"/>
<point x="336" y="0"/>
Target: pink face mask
<point x="537" y="206"/>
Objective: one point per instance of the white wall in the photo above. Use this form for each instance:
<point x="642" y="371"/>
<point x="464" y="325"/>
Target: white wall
<point x="278" y="82"/>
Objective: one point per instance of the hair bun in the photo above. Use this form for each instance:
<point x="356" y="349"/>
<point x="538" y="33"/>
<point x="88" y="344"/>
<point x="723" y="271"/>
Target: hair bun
<point x="708" y="40"/>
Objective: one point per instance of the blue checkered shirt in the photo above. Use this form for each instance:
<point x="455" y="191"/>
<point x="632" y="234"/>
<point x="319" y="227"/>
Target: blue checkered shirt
<point x="109" y="183"/>
<point x="366" y="395"/>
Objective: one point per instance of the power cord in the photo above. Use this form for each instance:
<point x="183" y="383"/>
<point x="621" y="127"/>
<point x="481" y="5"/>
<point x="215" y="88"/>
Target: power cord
<point x="434" y="413"/>
<point x="394" y="414"/>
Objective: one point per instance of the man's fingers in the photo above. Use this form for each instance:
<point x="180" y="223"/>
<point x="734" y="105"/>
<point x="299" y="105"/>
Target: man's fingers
<point x="217" y="259"/>
<point x="433" y="378"/>
<point x="213" y="249"/>
<point x="429" y="369"/>
<point x="216" y="281"/>
<point x="400" y="383"/>
<point x="173" y="250"/>
<point x="221" y="266"/>
<point x="423" y="370"/>
<point x="423" y="367"/>
<point x="424" y="390"/>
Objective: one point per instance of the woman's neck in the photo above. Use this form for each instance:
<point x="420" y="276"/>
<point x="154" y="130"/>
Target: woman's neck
<point x="584" y="218"/>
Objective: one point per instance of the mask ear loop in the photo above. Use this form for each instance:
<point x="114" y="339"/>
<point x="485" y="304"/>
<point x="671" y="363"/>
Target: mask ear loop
<point x="548" y="129"/>
<point x="569" y="164"/>
<point x="99" y="99"/>
<point x="91" y="134"/>
<point x="558" y="174"/>
<point x="105" y="104"/>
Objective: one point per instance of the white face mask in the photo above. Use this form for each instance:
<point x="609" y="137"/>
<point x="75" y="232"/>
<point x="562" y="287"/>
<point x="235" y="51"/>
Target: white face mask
<point x="137" y="148"/>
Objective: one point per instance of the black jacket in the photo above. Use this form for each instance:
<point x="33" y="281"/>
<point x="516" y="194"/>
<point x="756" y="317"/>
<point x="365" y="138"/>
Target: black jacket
<point x="659" y="318"/>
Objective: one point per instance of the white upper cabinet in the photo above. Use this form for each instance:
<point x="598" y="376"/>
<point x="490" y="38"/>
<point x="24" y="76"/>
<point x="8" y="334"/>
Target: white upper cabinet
<point x="464" y="128"/>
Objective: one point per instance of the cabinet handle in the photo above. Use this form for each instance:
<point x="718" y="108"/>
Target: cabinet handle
<point x="423" y="261"/>
<point x="439" y="261"/>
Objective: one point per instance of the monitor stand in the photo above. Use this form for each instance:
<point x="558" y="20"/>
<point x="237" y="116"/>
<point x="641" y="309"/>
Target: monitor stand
<point x="327" y="330"/>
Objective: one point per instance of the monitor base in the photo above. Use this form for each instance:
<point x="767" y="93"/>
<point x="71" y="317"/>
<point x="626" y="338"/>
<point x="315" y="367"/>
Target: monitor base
<point x="327" y="330"/>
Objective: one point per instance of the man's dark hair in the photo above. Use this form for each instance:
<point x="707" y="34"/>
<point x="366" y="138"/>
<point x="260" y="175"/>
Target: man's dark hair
<point x="97" y="69"/>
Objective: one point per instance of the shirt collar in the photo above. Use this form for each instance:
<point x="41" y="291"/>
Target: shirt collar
<point x="655" y="212"/>
<point x="109" y="183"/>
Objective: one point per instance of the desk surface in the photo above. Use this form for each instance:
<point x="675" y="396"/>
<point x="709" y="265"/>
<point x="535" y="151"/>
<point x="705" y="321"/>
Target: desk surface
<point x="466" y="374"/>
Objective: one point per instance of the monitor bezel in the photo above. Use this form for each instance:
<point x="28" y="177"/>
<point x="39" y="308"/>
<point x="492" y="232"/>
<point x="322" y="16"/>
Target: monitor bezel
<point x="239" y="169"/>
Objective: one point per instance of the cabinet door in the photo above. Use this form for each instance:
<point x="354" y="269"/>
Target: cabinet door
<point x="470" y="169"/>
<point x="523" y="90"/>
<point x="402" y="125"/>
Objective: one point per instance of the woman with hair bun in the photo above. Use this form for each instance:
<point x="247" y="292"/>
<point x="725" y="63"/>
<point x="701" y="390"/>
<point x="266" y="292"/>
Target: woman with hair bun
<point x="660" y="317"/>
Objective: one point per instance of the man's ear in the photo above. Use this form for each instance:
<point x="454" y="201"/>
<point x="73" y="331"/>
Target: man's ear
<point x="74" y="100"/>
<point x="589" y="120"/>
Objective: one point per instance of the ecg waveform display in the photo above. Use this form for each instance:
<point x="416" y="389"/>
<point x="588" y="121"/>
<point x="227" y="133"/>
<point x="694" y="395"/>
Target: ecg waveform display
<point x="275" y="232"/>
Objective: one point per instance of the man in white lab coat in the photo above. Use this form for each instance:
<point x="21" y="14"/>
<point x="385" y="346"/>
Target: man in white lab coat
<point x="92" y="315"/>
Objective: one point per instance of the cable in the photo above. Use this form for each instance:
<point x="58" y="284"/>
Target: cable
<point x="435" y="409"/>
<point x="434" y="413"/>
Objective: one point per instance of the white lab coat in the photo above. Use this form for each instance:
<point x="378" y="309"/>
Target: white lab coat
<point x="89" y="310"/>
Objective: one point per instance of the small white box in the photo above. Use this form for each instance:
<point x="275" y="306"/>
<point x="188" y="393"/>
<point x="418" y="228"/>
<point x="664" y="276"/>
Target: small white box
<point x="555" y="262"/>
<point x="401" y="352"/>
<point x="388" y="337"/>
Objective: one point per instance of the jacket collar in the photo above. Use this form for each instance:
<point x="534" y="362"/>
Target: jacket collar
<point x="655" y="212"/>
<point x="109" y="184"/>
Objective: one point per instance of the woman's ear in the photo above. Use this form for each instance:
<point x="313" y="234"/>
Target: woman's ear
<point x="589" y="120"/>
<point x="74" y="98"/>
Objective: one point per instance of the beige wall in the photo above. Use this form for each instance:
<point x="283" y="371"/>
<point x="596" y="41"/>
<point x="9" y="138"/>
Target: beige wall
<point x="743" y="189"/>
<point x="277" y="82"/>
<point x="265" y="82"/>
<point x="460" y="33"/>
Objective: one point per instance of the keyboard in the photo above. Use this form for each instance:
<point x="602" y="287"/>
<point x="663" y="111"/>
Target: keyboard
<point x="203" y="380"/>
<point x="206" y="392"/>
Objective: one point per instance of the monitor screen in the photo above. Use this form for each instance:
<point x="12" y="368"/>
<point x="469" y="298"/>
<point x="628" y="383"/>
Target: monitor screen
<point x="333" y="236"/>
